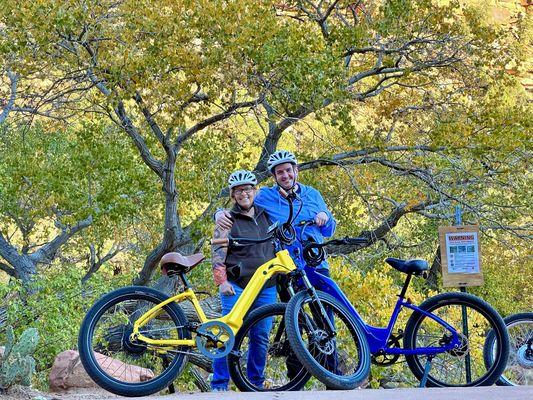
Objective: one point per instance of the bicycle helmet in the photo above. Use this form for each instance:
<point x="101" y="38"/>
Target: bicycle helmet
<point x="280" y="157"/>
<point x="241" y="177"/>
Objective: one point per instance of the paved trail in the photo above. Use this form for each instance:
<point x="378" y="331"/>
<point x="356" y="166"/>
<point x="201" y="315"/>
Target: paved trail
<point x="478" y="393"/>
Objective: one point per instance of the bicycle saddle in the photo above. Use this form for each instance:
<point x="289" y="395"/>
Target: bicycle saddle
<point x="415" y="267"/>
<point x="172" y="263"/>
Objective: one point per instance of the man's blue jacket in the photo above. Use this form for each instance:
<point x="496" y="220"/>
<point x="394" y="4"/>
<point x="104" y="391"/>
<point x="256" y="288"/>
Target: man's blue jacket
<point x="311" y="202"/>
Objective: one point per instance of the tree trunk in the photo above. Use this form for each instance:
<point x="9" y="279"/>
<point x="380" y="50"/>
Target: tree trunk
<point x="434" y="271"/>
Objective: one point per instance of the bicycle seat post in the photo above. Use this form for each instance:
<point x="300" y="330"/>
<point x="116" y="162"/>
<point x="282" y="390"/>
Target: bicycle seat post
<point x="405" y="286"/>
<point x="186" y="283"/>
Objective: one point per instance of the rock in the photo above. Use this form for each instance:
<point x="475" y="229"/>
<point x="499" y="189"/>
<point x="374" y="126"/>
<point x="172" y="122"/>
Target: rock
<point x="68" y="372"/>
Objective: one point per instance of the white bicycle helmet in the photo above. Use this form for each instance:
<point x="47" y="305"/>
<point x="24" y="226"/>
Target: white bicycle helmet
<point x="241" y="177"/>
<point x="280" y="157"/>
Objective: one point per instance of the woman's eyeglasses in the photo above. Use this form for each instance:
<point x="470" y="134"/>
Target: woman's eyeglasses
<point x="246" y="190"/>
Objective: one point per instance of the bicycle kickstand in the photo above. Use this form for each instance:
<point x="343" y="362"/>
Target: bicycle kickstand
<point x="171" y="388"/>
<point x="426" y="372"/>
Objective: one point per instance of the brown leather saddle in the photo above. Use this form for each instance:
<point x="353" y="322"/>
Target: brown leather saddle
<point x="175" y="263"/>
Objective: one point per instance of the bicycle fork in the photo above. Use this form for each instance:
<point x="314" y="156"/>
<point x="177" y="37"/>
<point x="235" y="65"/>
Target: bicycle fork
<point x="317" y="308"/>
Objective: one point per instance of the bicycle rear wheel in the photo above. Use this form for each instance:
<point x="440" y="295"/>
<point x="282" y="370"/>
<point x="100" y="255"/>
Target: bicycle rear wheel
<point x="126" y="367"/>
<point x="282" y="371"/>
<point x="473" y="319"/>
<point x="519" y="369"/>
<point x="341" y="361"/>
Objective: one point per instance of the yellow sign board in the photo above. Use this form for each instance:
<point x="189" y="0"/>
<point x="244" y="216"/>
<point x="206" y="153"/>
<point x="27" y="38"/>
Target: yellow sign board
<point x="460" y="256"/>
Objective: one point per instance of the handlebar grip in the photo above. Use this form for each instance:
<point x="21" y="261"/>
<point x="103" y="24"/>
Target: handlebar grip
<point x="220" y="241"/>
<point x="345" y="241"/>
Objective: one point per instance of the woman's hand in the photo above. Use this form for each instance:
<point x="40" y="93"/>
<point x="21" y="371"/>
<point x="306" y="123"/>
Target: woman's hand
<point x="223" y="218"/>
<point x="226" y="289"/>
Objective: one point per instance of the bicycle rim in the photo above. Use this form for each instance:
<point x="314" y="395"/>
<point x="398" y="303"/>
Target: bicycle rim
<point x="519" y="369"/>
<point x="128" y="367"/>
<point x="282" y="370"/>
<point x="464" y="366"/>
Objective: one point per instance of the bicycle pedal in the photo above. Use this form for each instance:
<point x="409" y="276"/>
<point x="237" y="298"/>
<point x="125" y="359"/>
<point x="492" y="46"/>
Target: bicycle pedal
<point x="236" y="353"/>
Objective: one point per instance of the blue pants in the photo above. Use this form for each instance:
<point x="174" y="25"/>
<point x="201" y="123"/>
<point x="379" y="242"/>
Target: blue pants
<point x="258" y="341"/>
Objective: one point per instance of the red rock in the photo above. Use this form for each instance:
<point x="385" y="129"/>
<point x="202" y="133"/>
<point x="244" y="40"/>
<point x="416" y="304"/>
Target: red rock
<point x="68" y="372"/>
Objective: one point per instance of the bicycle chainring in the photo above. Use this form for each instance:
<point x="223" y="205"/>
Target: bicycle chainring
<point x="381" y="358"/>
<point x="214" y="339"/>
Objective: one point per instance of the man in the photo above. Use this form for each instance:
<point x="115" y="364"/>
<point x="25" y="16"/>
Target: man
<point x="309" y="205"/>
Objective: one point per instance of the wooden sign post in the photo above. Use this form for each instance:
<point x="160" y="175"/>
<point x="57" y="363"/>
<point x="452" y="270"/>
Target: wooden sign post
<point x="460" y="256"/>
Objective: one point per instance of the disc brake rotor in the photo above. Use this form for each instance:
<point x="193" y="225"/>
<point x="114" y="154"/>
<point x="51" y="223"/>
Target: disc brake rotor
<point x="322" y="343"/>
<point x="463" y="348"/>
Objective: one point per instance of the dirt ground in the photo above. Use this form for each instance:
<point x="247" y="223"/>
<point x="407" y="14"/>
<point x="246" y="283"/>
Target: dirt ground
<point x="23" y="393"/>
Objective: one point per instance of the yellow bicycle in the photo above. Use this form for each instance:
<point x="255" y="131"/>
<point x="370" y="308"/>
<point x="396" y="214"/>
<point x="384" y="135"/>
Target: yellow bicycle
<point x="134" y="341"/>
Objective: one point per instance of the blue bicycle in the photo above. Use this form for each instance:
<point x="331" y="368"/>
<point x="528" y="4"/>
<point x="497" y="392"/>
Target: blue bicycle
<point x="442" y="341"/>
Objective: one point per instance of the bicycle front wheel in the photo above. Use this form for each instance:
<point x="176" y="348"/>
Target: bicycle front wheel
<point x="519" y="369"/>
<point x="473" y="319"/>
<point x="281" y="370"/>
<point x="340" y="360"/>
<point x="121" y="365"/>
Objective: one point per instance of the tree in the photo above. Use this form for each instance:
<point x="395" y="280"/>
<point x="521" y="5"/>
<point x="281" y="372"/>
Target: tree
<point x="55" y="185"/>
<point x="192" y="78"/>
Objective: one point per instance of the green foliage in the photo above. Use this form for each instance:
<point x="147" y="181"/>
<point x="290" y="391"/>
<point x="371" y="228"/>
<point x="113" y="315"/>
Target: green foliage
<point x="57" y="308"/>
<point x="17" y="365"/>
<point x="49" y="174"/>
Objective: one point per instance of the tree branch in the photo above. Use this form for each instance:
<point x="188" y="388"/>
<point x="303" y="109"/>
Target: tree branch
<point x="48" y="251"/>
<point x="197" y="97"/>
<point x="9" y="105"/>
<point x="8" y="251"/>
<point x="338" y="158"/>
<point x="216" y="118"/>
<point x="126" y="124"/>
<point x="8" y="270"/>
<point x="399" y="50"/>
<point x="95" y="261"/>
<point x="382" y="229"/>
<point x="150" y="120"/>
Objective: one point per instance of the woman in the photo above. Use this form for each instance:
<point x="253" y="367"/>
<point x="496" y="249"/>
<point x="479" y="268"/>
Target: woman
<point x="233" y="269"/>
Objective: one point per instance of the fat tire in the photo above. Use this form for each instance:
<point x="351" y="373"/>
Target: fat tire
<point x="237" y="374"/>
<point x="92" y="367"/>
<point x="458" y="298"/>
<point x="328" y="378"/>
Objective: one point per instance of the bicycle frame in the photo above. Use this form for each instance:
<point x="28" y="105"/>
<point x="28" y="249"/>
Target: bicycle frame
<point x="282" y="263"/>
<point x="377" y="336"/>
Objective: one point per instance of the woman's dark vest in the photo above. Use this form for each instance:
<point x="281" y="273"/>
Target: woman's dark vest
<point x="241" y="263"/>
